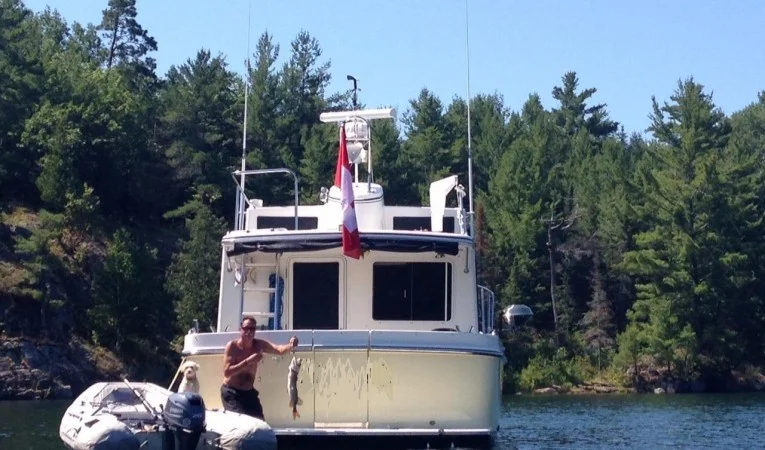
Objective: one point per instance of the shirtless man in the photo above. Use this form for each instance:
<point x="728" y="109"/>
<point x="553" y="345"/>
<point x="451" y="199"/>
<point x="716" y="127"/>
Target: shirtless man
<point x="240" y="366"/>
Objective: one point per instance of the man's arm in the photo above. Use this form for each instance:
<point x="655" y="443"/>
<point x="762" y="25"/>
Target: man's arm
<point x="268" y="347"/>
<point x="230" y="369"/>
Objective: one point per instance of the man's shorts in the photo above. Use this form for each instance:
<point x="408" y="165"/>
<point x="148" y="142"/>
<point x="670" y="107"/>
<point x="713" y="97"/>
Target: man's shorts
<point x="241" y="401"/>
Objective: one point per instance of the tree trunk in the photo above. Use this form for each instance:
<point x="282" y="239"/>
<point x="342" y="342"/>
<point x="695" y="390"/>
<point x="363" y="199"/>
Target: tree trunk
<point x="114" y="42"/>
<point x="551" y="251"/>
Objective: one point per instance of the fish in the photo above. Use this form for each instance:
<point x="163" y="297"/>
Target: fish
<point x="292" y="390"/>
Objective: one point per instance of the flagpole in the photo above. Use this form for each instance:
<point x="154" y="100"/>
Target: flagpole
<point x="470" y="138"/>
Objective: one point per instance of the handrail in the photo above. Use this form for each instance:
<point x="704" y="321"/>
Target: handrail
<point x="244" y="173"/>
<point x="485" y="309"/>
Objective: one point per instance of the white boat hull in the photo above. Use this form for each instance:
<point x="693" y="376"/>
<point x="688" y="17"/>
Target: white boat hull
<point x="362" y="383"/>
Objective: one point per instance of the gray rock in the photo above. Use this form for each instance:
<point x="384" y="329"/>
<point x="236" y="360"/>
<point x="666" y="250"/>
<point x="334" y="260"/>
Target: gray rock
<point x="41" y="370"/>
<point x="547" y="390"/>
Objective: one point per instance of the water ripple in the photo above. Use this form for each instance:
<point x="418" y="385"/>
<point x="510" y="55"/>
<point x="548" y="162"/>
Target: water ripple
<point x="732" y="421"/>
<point x="633" y="421"/>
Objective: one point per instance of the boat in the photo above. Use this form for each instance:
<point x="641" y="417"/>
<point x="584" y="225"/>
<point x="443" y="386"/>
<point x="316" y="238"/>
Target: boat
<point x="397" y="343"/>
<point x="516" y="315"/>
<point x="129" y="416"/>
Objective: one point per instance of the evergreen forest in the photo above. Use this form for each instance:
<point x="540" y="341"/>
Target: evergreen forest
<point x="642" y="256"/>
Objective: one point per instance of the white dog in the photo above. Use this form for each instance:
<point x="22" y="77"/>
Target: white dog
<point x="189" y="382"/>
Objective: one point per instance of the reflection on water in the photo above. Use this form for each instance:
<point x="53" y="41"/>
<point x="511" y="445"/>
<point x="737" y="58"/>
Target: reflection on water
<point x="634" y="421"/>
<point x="31" y="425"/>
<point x="528" y="422"/>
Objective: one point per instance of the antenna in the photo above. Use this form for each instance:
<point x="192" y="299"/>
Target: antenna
<point x="355" y="106"/>
<point x="239" y="221"/>
<point x="470" y="137"/>
<point x="355" y="90"/>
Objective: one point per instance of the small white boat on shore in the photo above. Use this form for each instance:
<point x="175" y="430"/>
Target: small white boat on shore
<point x="129" y="416"/>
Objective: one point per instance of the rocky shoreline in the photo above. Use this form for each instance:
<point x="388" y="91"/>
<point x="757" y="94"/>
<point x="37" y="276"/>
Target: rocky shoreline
<point x="32" y="369"/>
<point x="584" y="388"/>
<point x="736" y="382"/>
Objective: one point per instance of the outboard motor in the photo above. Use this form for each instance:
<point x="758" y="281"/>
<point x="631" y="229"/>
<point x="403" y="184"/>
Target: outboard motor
<point x="184" y="416"/>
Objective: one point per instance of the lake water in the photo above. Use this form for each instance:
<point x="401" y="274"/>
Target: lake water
<point x="730" y="421"/>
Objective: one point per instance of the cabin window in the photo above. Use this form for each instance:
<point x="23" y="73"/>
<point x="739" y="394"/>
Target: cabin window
<point x="420" y="223"/>
<point x="412" y="291"/>
<point x="315" y="295"/>
<point x="288" y="222"/>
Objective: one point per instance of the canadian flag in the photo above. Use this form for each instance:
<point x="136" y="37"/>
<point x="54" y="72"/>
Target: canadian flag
<point x="343" y="180"/>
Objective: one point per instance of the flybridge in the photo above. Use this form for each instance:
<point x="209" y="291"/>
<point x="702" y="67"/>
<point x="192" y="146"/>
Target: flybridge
<point x="371" y="212"/>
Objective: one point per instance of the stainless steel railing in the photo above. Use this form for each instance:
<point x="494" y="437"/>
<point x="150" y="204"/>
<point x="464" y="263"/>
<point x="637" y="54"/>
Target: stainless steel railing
<point x="242" y="200"/>
<point x="485" y="309"/>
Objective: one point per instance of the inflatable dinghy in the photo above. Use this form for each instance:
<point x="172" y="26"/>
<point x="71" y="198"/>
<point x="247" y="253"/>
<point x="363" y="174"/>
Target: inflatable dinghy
<point x="129" y="416"/>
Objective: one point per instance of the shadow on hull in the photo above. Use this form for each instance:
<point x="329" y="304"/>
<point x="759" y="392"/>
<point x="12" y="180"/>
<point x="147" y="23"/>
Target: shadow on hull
<point x="292" y="442"/>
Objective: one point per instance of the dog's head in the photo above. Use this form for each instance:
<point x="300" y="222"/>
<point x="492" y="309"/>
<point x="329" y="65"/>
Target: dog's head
<point x="189" y="369"/>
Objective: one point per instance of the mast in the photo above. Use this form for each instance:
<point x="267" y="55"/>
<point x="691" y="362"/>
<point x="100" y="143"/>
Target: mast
<point x="354" y="100"/>
<point x="240" y="207"/>
<point x="470" y="137"/>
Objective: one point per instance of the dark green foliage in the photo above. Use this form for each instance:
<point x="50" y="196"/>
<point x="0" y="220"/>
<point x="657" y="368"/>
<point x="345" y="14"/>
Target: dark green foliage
<point x="574" y="115"/>
<point x="598" y="322"/>
<point x="125" y="41"/>
<point x="321" y="146"/>
<point x="426" y="155"/>
<point x="198" y="128"/>
<point x="21" y="83"/>
<point x="283" y="122"/>
<point x="694" y="268"/>
<point x="128" y="299"/>
<point x="636" y="254"/>
<point x="385" y="153"/>
<point x="550" y="366"/>
<point x="193" y="275"/>
<point x="520" y="197"/>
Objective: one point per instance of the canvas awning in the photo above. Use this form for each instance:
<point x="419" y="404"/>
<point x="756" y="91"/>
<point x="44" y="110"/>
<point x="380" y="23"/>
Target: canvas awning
<point x="383" y="243"/>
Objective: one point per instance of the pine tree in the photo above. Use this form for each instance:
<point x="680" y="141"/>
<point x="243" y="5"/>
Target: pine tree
<point x="125" y="39"/>
<point x="426" y="156"/>
<point x="386" y="147"/>
<point x="318" y="165"/>
<point x="678" y="260"/>
<point x="575" y="115"/>
<point x="124" y="294"/>
<point x="521" y="195"/>
<point x="21" y="83"/>
<point x="199" y="129"/>
<point x="193" y="276"/>
<point x="598" y="321"/>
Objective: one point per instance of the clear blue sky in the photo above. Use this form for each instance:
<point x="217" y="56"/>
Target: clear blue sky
<point x="627" y="50"/>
